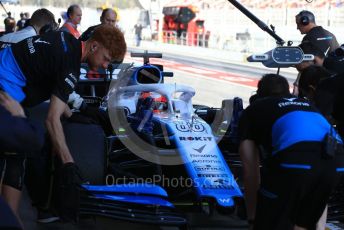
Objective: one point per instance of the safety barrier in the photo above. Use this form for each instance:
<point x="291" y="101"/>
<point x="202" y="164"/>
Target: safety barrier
<point x="187" y="39"/>
<point x="169" y="36"/>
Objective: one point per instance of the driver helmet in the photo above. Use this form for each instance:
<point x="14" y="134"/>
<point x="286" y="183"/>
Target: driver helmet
<point x="159" y="101"/>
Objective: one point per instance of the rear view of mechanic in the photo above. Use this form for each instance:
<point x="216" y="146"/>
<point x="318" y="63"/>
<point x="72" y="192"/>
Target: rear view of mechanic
<point x="300" y="167"/>
<point x="47" y="67"/>
<point x="42" y="21"/>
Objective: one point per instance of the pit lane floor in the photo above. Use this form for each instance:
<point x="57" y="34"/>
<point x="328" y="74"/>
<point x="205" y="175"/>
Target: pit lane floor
<point x="197" y="222"/>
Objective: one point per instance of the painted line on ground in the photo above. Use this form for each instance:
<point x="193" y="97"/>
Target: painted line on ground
<point x="221" y="75"/>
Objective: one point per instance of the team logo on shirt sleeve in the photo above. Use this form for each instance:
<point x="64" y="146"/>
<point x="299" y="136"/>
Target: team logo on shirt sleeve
<point x="30" y="46"/>
<point x="292" y="102"/>
<point x="71" y="80"/>
<point x="30" y="43"/>
<point x="38" y="40"/>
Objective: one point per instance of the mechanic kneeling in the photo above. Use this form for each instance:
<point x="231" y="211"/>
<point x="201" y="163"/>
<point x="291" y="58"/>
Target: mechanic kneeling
<point x="301" y="157"/>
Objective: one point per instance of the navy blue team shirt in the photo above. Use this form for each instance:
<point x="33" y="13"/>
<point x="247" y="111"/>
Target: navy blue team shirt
<point x="278" y="123"/>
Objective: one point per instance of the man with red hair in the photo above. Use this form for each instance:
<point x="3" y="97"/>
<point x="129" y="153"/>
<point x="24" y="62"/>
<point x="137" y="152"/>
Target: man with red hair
<point x="48" y="67"/>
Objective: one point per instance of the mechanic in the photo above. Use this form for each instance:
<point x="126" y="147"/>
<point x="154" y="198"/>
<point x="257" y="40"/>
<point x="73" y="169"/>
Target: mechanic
<point x="42" y="21"/>
<point x="329" y="99"/>
<point x="297" y="175"/>
<point x="18" y="136"/>
<point x="307" y="48"/>
<point x="310" y="79"/>
<point x="39" y="68"/>
<point x="318" y="36"/>
<point x="108" y="16"/>
<point x="74" y="15"/>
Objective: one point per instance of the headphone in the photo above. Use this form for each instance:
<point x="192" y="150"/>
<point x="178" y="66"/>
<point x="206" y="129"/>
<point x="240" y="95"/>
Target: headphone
<point x="305" y="17"/>
<point x="46" y="29"/>
<point x="49" y="27"/>
<point x="304" y="20"/>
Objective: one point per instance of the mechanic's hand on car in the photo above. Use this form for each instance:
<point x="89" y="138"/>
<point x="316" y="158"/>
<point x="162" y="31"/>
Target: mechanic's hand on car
<point x="69" y="185"/>
<point x="11" y="105"/>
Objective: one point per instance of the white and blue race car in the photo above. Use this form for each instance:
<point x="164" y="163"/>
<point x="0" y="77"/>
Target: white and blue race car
<point x="165" y="155"/>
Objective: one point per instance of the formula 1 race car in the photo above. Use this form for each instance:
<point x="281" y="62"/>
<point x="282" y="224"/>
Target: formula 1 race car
<point x="165" y="156"/>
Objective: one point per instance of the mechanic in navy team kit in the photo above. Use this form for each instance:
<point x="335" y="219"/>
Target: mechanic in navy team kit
<point x="298" y="173"/>
<point x="324" y="40"/>
<point x="47" y="67"/>
<point x="42" y="21"/>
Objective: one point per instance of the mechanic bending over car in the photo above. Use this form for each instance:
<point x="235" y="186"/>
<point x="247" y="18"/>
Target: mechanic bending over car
<point x="18" y="136"/>
<point x="288" y="136"/>
<point x="47" y="67"/>
<point x="324" y="40"/>
<point x="41" y="22"/>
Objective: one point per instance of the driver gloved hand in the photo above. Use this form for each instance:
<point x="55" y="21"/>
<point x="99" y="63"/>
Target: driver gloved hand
<point x="69" y="182"/>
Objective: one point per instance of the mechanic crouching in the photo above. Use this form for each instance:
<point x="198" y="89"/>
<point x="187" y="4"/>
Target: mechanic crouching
<point x="300" y="153"/>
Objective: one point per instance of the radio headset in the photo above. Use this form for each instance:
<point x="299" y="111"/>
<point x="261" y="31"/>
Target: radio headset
<point x="304" y="19"/>
<point x="52" y="26"/>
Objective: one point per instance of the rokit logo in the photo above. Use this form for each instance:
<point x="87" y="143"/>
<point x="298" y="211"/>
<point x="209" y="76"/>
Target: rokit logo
<point x="195" y="138"/>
